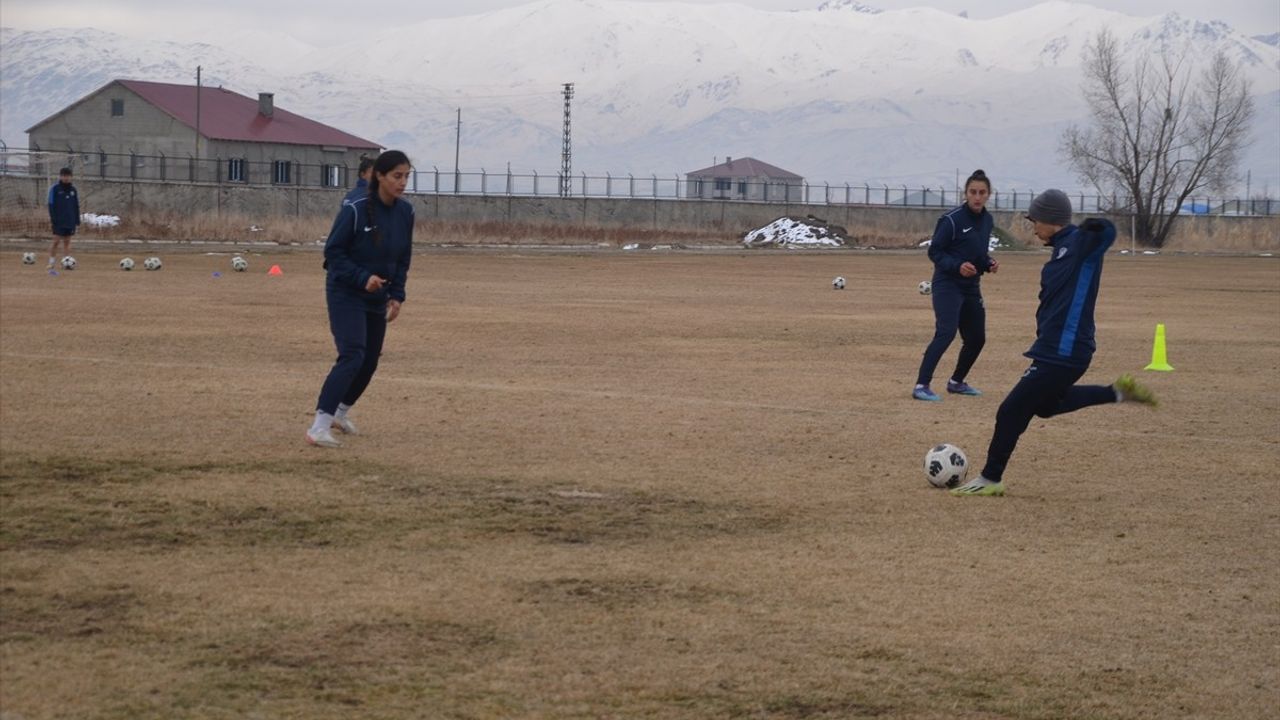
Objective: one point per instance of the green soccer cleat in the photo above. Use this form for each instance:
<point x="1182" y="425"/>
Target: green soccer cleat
<point x="980" y="486"/>
<point x="1130" y="390"/>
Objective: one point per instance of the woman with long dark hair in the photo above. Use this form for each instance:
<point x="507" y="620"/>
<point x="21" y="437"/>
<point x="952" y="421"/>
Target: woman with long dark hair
<point x="960" y="251"/>
<point x="367" y="255"/>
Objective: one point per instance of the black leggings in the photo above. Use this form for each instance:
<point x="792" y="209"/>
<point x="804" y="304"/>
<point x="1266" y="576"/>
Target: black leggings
<point x="954" y="310"/>
<point x="1045" y="390"/>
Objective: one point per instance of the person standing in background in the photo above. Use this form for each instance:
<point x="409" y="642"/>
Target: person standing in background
<point x="64" y="214"/>
<point x="961" y="253"/>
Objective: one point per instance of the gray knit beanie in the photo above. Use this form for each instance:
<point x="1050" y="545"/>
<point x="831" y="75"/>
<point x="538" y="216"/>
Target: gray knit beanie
<point x="1052" y="207"/>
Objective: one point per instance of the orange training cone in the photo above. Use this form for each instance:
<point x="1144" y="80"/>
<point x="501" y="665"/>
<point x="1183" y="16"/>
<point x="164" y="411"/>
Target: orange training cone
<point x="1159" y="356"/>
<point x="275" y="270"/>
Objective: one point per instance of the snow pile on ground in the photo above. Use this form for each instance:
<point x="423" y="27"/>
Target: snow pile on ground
<point x="96" y="220"/>
<point x="796" y="232"/>
<point x="993" y="243"/>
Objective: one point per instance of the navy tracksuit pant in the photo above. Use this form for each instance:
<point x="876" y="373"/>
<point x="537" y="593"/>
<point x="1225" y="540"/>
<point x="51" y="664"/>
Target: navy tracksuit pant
<point x="358" y="331"/>
<point x="955" y="308"/>
<point x="1045" y="390"/>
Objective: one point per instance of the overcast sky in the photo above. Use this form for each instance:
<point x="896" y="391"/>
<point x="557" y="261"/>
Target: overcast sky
<point x="316" y="21"/>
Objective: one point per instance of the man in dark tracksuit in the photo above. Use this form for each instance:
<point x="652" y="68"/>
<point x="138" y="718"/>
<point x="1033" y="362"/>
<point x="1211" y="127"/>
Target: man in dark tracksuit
<point x="1064" y="343"/>
<point x="960" y="251"/>
<point x="64" y="214"/>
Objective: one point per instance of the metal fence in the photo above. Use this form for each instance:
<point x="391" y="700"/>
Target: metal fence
<point x="162" y="168"/>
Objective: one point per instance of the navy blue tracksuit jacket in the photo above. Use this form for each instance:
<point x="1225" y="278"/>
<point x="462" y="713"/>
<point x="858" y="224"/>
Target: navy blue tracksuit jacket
<point x="1068" y="292"/>
<point x="360" y="190"/>
<point x="960" y="237"/>
<point x="352" y="257"/>
<point x="64" y="208"/>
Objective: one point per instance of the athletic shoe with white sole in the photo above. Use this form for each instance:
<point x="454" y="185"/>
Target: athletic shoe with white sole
<point x="980" y="486"/>
<point x="922" y="392"/>
<point x="962" y="388"/>
<point x="322" y="438"/>
<point x="345" y="425"/>
<point x="1132" y="391"/>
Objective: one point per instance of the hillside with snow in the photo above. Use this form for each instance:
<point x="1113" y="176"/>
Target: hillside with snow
<point x="841" y="93"/>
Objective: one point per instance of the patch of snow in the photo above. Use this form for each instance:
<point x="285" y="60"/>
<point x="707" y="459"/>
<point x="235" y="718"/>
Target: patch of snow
<point x="96" y="220"/>
<point x="796" y="233"/>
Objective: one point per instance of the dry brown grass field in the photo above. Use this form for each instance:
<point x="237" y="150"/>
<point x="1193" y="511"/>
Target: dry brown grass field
<point x="666" y="485"/>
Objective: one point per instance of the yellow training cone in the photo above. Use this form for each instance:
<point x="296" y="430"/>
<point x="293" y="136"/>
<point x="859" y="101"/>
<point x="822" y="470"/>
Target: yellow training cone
<point x="1159" y="359"/>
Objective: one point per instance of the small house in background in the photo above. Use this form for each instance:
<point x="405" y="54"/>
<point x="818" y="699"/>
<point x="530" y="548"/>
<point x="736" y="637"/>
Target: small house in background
<point x="157" y="127"/>
<point x="744" y="179"/>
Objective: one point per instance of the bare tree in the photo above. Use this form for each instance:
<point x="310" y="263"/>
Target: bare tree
<point x="1157" y="134"/>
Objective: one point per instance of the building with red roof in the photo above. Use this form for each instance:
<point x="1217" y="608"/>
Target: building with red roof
<point x="744" y="179"/>
<point x="216" y="134"/>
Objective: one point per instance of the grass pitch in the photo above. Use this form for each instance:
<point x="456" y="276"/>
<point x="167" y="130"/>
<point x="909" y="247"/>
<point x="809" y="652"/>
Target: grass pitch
<point x="647" y="485"/>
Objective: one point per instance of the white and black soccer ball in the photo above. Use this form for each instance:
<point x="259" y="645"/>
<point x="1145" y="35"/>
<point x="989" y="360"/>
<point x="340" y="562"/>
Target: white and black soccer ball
<point x="945" y="465"/>
<point x="838" y="283"/>
<point x="925" y="287"/>
<point x="151" y="263"/>
<point x="126" y="264"/>
<point x="68" y="263"/>
<point x="28" y="258"/>
<point x="239" y="264"/>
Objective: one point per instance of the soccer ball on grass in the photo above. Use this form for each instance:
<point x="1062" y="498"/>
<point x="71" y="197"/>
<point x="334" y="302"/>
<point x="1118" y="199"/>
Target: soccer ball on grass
<point x="838" y="283"/>
<point x="925" y="287"/>
<point x="151" y="263"/>
<point x="945" y="465"/>
<point x="68" y="263"/>
<point x="239" y="264"/>
<point x="126" y="264"/>
<point x="28" y="258"/>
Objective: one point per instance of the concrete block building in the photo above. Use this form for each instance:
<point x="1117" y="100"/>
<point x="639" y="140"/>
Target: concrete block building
<point x="744" y="179"/>
<point x="159" y="131"/>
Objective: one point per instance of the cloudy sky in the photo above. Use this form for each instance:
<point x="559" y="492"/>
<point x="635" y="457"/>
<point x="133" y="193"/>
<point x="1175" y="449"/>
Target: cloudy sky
<point x="318" y="21"/>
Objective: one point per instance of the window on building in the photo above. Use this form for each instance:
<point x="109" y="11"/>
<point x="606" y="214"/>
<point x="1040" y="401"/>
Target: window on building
<point x="331" y="176"/>
<point x="724" y="184"/>
<point x="742" y="189"/>
<point x="235" y="170"/>
<point x="281" y="171"/>
<point x="117" y="108"/>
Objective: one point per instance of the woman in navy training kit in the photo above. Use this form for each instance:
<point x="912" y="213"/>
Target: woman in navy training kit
<point x="960" y="251"/>
<point x="64" y="213"/>
<point x="367" y="256"/>
<point x="1064" y="337"/>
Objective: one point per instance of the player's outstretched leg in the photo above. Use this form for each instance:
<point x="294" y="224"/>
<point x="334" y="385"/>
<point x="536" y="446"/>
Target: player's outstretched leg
<point x="1128" y="389"/>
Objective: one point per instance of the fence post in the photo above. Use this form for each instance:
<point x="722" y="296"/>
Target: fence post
<point x="924" y="196"/>
<point x="632" y="179"/>
<point x="436" y="172"/>
<point x="535" y="183"/>
<point x="608" y="185"/>
<point x="133" y="165"/>
<point x="508" y="178"/>
<point x="584" y="184"/>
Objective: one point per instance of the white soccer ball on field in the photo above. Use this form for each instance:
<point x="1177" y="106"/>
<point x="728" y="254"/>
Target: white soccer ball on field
<point x="28" y="258"/>
<point x="925" y="287"/>
<point x="239" y="264"/>
<point x="151" y="263"/>
<point x="126" y="264"/>
<point x="68" y="263"/>
<point x="838" y="283"/>
<point x="945" y="466"/>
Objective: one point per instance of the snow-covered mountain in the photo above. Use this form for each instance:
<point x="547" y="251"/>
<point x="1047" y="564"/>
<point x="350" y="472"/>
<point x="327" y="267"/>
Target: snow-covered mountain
<point x="841" y="93"/>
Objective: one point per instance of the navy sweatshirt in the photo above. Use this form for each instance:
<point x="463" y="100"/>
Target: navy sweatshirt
<point x="64" y="206"/>
<point x="959" y="237"/>
<point x="352" y="257"/>
<point x="1068" y="292"/>
<point x="360" y="190"/>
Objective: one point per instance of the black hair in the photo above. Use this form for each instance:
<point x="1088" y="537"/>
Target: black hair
<point x="386" y="162"/>
<point x="366" y="162"/>
<point x="65" y="171"/>
<point x="978" y="176"/>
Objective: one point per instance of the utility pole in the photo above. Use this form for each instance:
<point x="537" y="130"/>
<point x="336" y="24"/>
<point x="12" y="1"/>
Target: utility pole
<point x="566" y="147"/>
<point x="198" y="112"/>
<point x="457" y="150"/>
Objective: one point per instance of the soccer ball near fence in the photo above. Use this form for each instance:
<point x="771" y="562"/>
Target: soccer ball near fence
<point x="28" y="258"/>
<point x="126" y="264"/>
<point x="239" y="264"/>
<point x="838" y="283"/>
<point x="925" y="287"/>
<point x="68" y="263"/>
<point x="945" y="465"/>
<point x="151" y="263"/>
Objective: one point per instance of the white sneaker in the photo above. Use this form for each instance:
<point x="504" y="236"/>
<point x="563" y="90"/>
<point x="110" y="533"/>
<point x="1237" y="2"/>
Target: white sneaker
<point x="345" y="425"/>
<point x="322" y="438"/>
